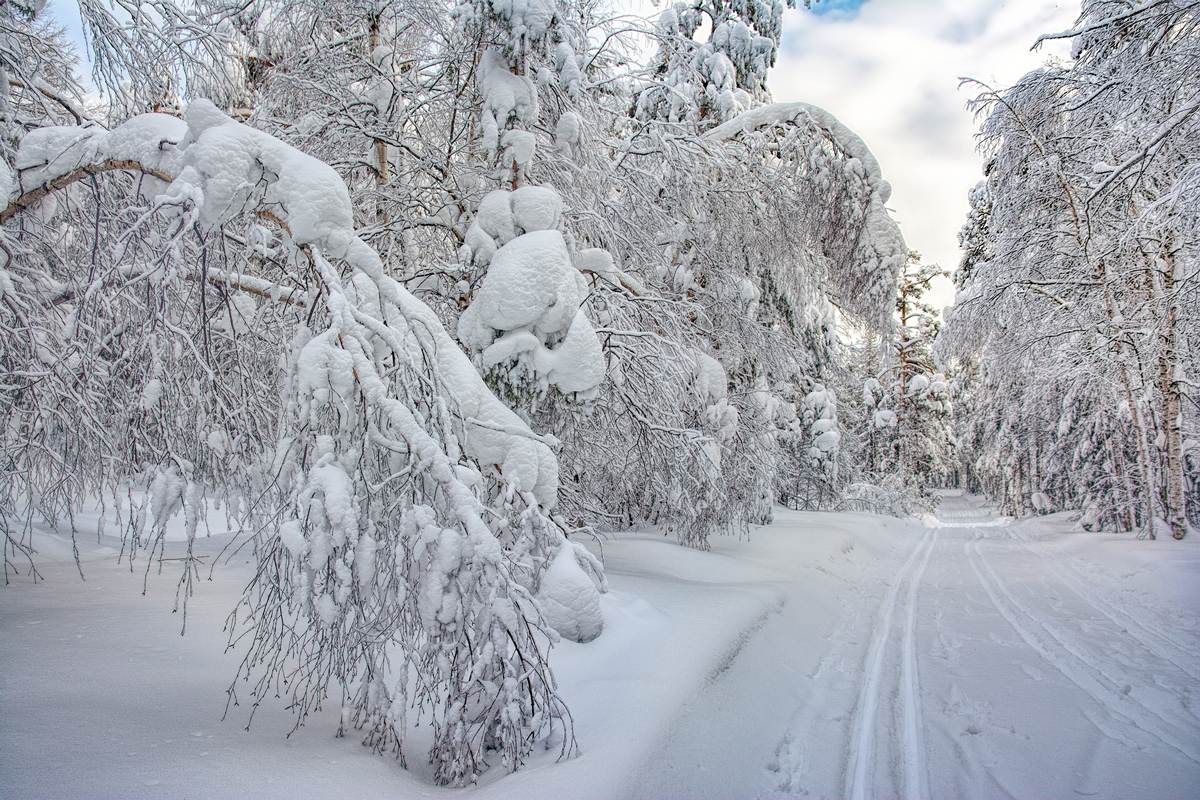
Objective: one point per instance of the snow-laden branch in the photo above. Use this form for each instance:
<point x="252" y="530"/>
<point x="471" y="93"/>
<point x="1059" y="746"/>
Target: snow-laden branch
<point x="32" y="196"/>
<point x="1093" y="26"/>
<point x="208" y="161"/>
<point x="777" y="113"/>
<point x="73" y="108"/>
<point x="865" y="281"/>
<point x="1169" y="125"/>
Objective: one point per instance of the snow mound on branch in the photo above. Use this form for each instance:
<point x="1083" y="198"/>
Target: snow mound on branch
<point x="527" y="307"/>
<point x="527" y="18"/>
<point x="505" y="96"/>
<point x="577" y="364"/>
<point x="599" y="262"/>
<point x="519" y="147"/>
<point x="503" y="216"/>
<point x="917" y="384"/>
<point x="151" y="140"/>
<point x="820" y="413"/>
<point x="568" y="132"/>
<point x="530" y="283"/>
<point x="712" y="384"/>
<point x="535" y="208"/>
<point x="718" y="419"/>
<point x="569" y="76"/>
<point x="8" y="185"/>
<point x="570" y="596"/>
<point x="884" y="418"/>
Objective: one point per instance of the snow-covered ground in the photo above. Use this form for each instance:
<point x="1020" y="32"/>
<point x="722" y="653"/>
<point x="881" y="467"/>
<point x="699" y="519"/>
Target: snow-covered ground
<point x="829" y="655"/>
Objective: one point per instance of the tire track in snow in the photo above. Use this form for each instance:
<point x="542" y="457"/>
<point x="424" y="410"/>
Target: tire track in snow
<point x="1118" y="704"/>
<point x="861" y="760"/>
<point x="1128" y="623"/>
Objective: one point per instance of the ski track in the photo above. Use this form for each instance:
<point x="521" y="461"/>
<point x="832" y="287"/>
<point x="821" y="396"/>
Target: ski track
<point x="916" y="781"/>
<point x="860" y="764"/>
<point x="1102" y="681"/>
<point x="878" y="687"/>
<point x="1128" y="623"/>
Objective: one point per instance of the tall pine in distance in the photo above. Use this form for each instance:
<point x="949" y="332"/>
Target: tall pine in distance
<point x="905" y="432"/>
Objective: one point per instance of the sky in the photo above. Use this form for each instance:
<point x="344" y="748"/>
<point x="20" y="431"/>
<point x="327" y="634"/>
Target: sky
<point x="890" y="69"/>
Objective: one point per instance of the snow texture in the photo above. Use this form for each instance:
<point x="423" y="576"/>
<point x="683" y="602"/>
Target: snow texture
<point x="505" y="97"/>
<point x="1050" y="662"/>
<point x="527" y="307"/>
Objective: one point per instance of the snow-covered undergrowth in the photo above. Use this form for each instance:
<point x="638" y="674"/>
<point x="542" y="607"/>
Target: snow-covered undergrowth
<point x="829" y="655"/>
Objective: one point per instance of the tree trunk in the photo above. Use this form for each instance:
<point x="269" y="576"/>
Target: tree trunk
<point x="1135" y="413"/>
<point x="374" y="39"/>
<point x="1168" y="386"/>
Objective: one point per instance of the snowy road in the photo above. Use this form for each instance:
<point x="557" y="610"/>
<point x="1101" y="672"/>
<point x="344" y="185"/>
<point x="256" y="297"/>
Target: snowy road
<point x="830" y="655"/>
<point x="983" y="665"/>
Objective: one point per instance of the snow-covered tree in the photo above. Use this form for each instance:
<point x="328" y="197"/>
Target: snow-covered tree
<point x="900" y="405"/>
<point x="250" y="302"/>
<point x="920" y="393"/>
<point x="711" y="81"/>
<point x="1079" y="286"/>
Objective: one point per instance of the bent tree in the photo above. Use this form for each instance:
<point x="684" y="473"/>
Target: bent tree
<point x="248" y="304"/>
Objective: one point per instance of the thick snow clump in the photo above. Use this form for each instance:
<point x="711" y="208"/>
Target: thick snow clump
<point x="526" y="311"/>
<point x="505" y="96"/>
<point x="570" y="594"/>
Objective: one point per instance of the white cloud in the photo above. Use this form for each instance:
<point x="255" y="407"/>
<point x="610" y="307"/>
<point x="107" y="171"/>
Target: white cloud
<point x="891" y="73"/>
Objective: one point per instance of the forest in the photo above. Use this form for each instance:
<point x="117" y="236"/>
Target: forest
<point x="424" y="299"/>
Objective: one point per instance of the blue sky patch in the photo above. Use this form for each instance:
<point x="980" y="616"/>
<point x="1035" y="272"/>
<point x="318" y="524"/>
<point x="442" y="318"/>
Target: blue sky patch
<point x="836" y="8"/>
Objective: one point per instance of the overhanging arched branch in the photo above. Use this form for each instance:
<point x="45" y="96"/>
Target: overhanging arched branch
<point x="246" y="283"/>
<point x="32" y="196"/>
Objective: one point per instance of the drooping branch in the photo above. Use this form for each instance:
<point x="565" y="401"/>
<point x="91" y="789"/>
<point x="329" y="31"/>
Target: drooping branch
<point x="1071" y="34"/>
<point x="29" y="198"/>
<point x="70" y="105"/>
